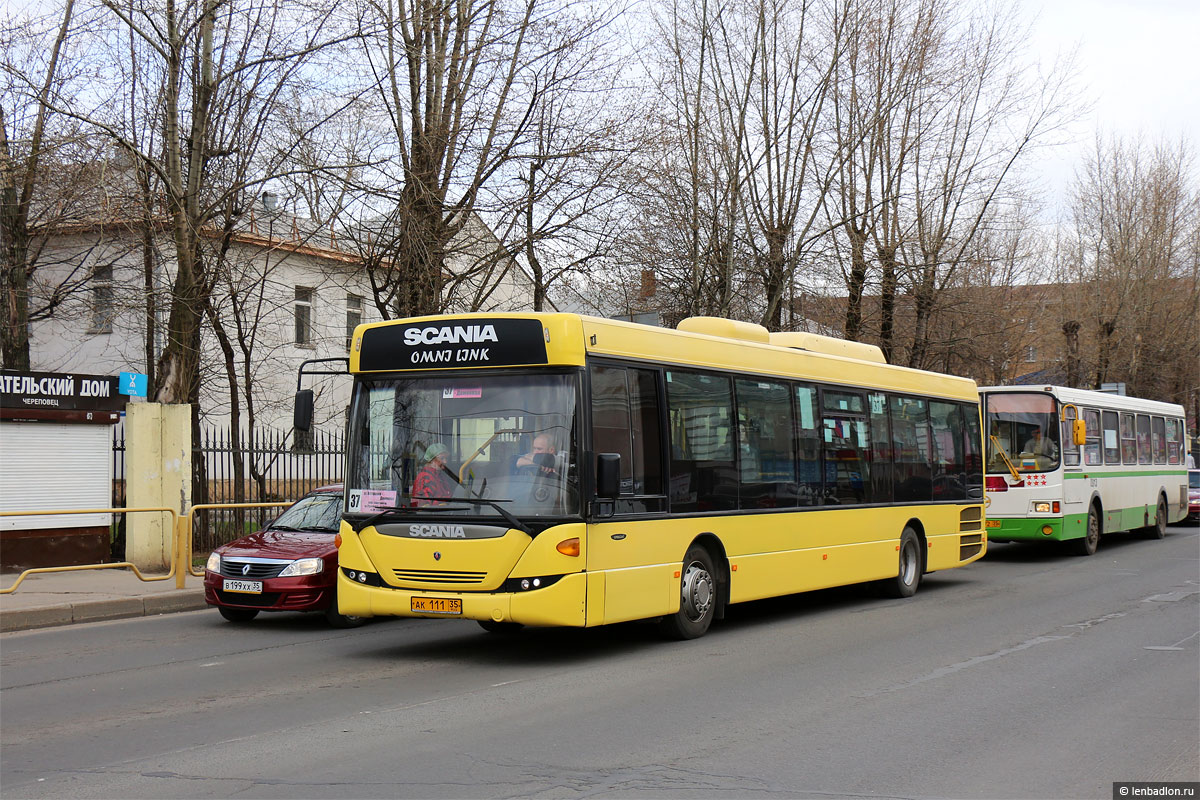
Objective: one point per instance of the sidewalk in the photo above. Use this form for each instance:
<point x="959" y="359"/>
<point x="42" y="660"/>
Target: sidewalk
<point x="45" y="599"/>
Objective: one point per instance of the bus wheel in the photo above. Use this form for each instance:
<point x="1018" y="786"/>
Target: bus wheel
<point x="491" y="626"/>
<point x="1088" y="544"/>
<point x="697" y="597"/>
<point x="1159" y="529"/>
<point x="238" y="614"/>
<point x="909" y="577"/>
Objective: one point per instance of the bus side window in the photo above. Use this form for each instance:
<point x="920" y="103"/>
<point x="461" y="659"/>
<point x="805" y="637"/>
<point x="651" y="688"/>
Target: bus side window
<point x="766" y="457"/>
<point x="881" y="449"/>
<point x="1091" y="449"/>
<point x="703" y="472"/>
<point x="1158" y="438"/>
<point x="1112" y="444"/>
<point x="974" y="455"/>
<point x="949" y="462"/>
<point x="910" y="443"/>
<point x="1174" y="438"/>
<point x="1128" y="440"/>
<point x="1143" y="439"/>
<point x="808" y="439"/>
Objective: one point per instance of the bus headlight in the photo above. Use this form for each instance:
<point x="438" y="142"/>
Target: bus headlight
<point x="1041" y="508"/>
<point x="303" y="566"/>
<point x="214" y="563"/>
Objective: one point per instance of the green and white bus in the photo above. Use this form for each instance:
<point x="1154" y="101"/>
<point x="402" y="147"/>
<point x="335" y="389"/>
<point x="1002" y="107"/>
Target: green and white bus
<point x="1070" y="465"/>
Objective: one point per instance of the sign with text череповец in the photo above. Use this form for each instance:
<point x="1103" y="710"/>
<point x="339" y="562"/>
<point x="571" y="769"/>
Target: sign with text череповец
<point x="53" y="391"/>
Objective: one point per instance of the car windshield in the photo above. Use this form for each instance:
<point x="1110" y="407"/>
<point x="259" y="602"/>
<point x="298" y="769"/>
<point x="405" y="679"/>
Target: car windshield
<point x="461" y="443"/>
<point x="316" y="512"/>
<point x="1022" y="429"/>
<point x="1194" y="480"/>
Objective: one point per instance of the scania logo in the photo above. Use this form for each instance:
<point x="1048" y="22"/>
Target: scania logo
<point x="246" y="569"/>
<point x="450" y="334"/>
<point x="437" y="531"/>
<point x="437" y="556"/>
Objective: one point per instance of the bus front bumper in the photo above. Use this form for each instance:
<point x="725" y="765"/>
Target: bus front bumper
<point x="1035" y="529"/>
<point x="561" y="604"/>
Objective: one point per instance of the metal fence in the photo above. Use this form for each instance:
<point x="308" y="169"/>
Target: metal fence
<point x="262" y="465"/>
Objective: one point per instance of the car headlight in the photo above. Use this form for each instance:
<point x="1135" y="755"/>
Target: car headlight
<point x="303" y="566"/>
<point x="214" y="563"/>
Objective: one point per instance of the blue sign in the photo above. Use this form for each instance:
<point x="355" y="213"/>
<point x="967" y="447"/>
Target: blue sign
<point x="133" y="384"/>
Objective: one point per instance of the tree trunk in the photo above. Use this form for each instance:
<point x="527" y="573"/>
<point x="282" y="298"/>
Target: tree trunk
<point x="887" y="302"/>
<point x="1070" y="331"/>
<point x="858" y="278"/>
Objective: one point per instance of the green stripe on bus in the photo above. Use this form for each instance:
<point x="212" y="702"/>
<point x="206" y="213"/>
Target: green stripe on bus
<point x="1077" y="476"/>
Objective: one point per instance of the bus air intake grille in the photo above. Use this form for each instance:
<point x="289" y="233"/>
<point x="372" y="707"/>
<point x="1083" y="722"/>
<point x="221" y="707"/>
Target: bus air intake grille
<point x="971" y="519"/>
<point x="969" y="546"/>
<point x="439" y="576"/>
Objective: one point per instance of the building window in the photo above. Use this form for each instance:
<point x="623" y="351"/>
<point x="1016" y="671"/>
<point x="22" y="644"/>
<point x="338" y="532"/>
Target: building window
<point x="1030" y="354"/>
<point x="102" y="300"/>
<point x="354" y="317"/>
<point x="304" y="316"/>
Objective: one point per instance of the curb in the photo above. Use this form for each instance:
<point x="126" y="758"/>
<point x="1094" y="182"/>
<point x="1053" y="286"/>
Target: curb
<point x="24" y="619"/>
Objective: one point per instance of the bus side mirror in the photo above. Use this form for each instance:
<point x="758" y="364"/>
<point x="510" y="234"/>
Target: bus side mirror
<point x="1079" y="432"/>
<point x="302" y="415"/>
<point x="608" y="475"/>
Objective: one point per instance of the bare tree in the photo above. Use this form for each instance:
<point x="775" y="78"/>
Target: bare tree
<point x="31" y="144"/>
<point x="1133" y="266"/>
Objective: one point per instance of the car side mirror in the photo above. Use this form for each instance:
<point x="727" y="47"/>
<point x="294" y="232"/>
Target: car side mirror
<point x="608" y="475"/>
<point x="302" y="415"/>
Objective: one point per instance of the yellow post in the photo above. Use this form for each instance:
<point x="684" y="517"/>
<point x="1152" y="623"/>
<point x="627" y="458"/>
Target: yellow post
<point x="158" y="472"/>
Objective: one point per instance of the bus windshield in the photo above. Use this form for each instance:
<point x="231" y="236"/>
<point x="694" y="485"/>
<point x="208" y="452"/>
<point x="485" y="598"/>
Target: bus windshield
<point x="446" y="444"/>
<point x="1022" y="429"/>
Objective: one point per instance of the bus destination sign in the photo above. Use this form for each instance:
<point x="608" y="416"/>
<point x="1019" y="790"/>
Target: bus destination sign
<point x="442" y="344"/>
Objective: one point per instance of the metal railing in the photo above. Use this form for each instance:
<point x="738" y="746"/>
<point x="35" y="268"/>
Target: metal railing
<point x="176" y="551"/>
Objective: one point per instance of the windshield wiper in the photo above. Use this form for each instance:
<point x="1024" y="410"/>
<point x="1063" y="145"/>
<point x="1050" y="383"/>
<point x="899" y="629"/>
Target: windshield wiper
<point x="512" y="521"/>
<point x="282" y="528"/>
<point x="362" y="524"/>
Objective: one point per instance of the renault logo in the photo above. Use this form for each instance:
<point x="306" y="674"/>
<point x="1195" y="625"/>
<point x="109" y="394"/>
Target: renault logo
<point x="246" y="569"/>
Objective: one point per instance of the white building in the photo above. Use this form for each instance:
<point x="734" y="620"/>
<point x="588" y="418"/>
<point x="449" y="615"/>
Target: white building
<point x="285" y="295"/>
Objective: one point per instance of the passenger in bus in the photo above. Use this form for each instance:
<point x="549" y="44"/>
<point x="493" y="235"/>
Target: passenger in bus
<point x="434" y="483"/>
<point x="1040" y="446"/>
<point x="539" y="460"/>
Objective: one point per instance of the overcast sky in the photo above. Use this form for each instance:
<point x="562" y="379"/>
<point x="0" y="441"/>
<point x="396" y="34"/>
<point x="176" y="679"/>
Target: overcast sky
<point x="1137" y="62"/>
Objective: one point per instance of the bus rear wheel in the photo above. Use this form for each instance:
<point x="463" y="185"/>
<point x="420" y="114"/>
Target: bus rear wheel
<point x="1091" y="540"/>
<point x="1159" y="529"/>
<point x="909" y="576"/>
<point x="697" y="597"/>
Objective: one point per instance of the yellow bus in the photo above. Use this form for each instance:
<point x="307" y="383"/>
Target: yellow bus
<point x="564" y="470"/>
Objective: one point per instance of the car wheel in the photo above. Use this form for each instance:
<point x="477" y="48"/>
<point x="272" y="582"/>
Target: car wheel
<point x="238" y="614"/>
<point x="697" y="597"/>
<point x="908" y="577"/>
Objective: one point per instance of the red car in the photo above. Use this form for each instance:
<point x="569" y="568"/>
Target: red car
<point x="291" y="565"/>
<point x="1194" y="495"/>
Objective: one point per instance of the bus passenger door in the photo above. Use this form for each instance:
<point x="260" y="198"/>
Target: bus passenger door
<point x="628" y="569"/>
<point x="1077" y="486"/>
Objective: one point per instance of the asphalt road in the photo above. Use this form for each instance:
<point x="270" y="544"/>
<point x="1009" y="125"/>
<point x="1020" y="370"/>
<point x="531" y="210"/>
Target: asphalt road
<point x="1030" y="674"/>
